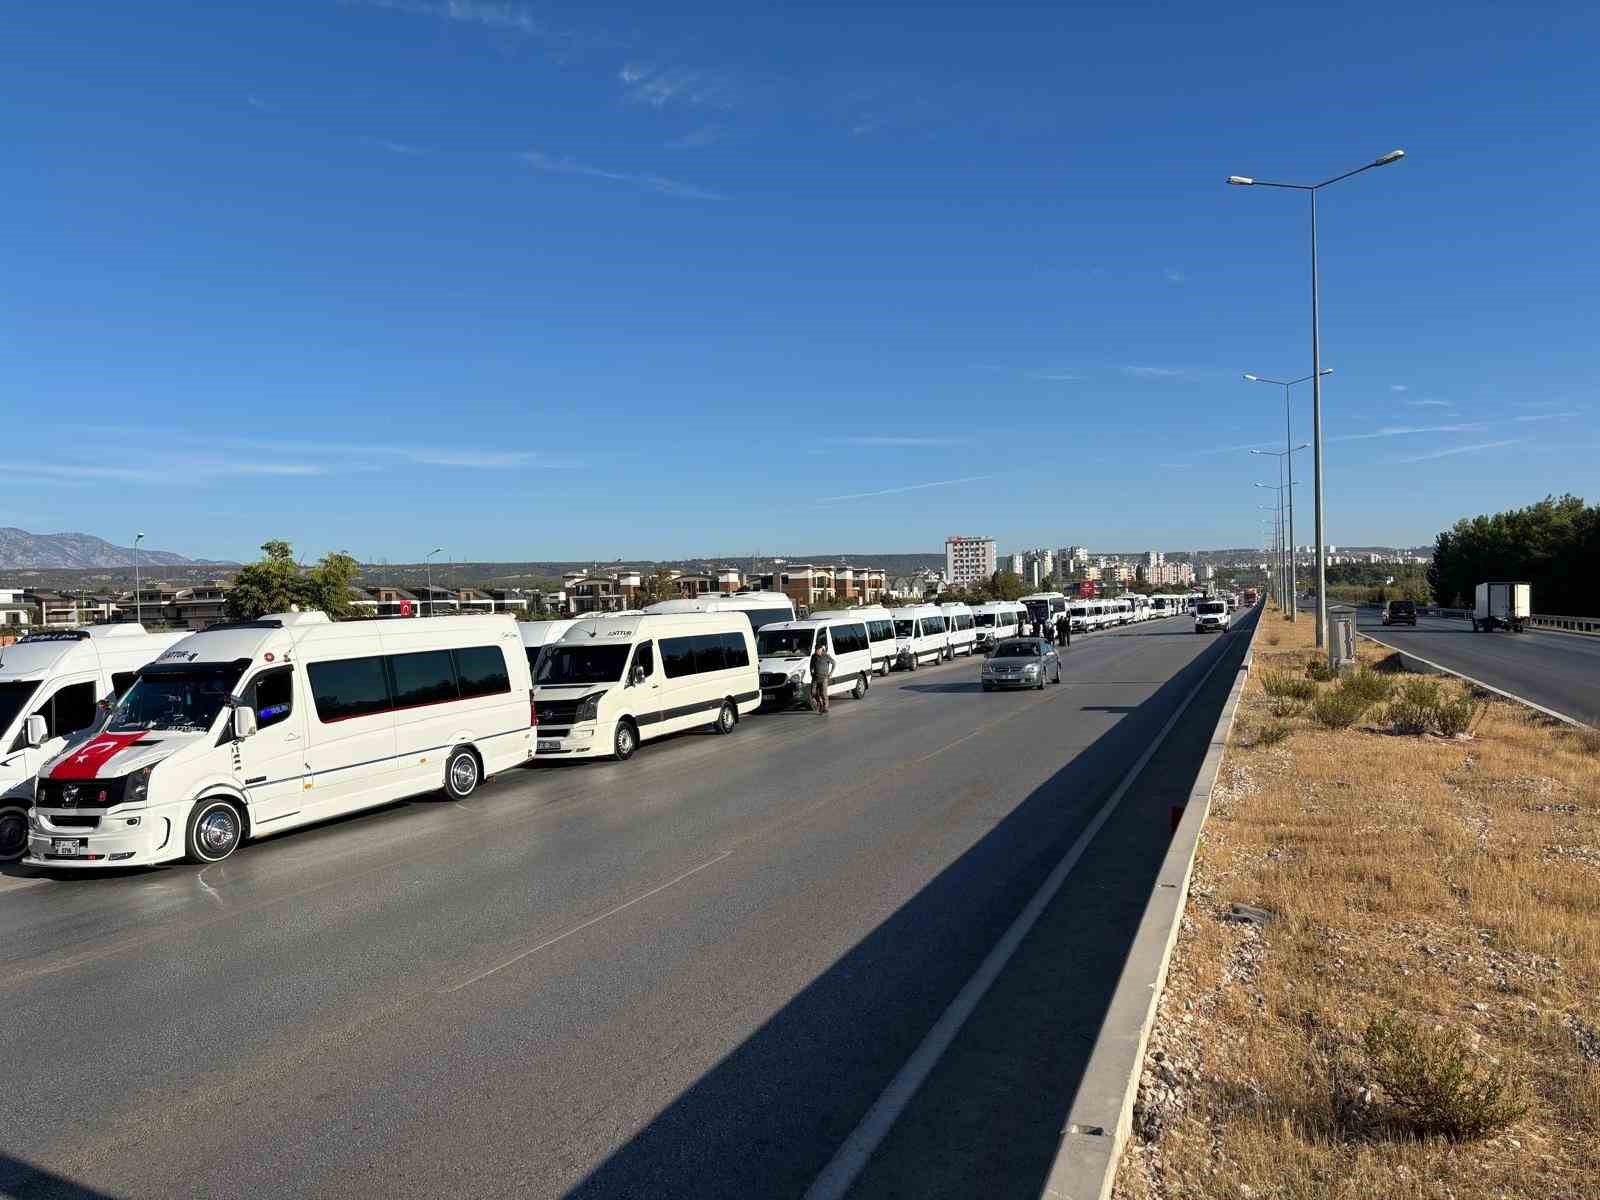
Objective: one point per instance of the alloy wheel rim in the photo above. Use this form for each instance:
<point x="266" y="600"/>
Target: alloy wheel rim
<point x="463" y="773"/>
<point x="217" y="832"/>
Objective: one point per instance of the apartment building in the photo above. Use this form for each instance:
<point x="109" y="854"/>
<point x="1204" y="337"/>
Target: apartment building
<point x="968" y="559"/>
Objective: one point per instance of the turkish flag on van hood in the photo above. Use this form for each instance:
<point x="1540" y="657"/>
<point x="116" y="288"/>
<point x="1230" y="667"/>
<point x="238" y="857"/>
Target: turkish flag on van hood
<point x="86" y="761"/>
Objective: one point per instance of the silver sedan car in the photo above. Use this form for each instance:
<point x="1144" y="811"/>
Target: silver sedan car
<point x="1021" y="662"/>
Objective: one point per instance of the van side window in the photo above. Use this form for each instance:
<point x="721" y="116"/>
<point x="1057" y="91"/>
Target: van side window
<point x="710" y="653"/>
<point x="425" y="677"/>
<point x="483" y="671"/>
<point x="272" y="696"/>
<point x="738" y="655"/>
<point x="121" y="681"/>
<point x="350" y="687"/>
<point x="69" y="710"/>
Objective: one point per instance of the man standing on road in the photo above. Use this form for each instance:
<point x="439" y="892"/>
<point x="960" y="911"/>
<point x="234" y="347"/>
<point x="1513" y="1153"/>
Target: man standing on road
<point x="822" y="664"/>
<point x="1063" y="630"/>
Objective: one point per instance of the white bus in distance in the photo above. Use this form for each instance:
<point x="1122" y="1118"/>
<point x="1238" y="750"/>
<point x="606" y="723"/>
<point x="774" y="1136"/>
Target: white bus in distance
<point x="996" y="620"/>
<point x="785" y="649"/>
<point x="65" y="678"/>
<point x="613" y="682"/>
<point x="919" y="635"/>
<point x="759" y="608"/>
<point x="262" y="726"/>
<point x="1044" y="606"/>
<point x="880" y="631"/>
<point x="960" y="633"/>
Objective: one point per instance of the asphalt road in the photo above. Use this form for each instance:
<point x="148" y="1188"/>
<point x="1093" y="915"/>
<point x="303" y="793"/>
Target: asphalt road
<point x="1561" y="671"/>
<point x="687" y="975"/>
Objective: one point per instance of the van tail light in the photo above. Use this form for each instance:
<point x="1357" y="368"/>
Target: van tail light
<point x="533" y="710"/>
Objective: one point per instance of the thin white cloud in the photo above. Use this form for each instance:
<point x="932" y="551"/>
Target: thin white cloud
<point x="1427" y="403"/>
<point x="1176" y="276"/>
<point x="1155" y="372"/>
<point x="1389" y="431"/>
<point x="895" y="491"/>
<point x="394" y="147"/>
<point x="653" y="183"/>
<point x="492" y="15"/>
<point x="257" y="103"/>
<point x="177" y="471"/>
<point x="1398" y="387"/>
<point x="1539" y="403"/>
<point x="657" y="86"/>
<point x="892" y="440"/>
<point x="1454" y="450"/>
<point x="1555" y="416"/>
<point x="1053" y="376"/>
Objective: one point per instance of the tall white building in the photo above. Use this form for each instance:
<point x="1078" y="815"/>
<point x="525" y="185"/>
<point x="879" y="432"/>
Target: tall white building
<point x="1016" y="564"/>
<point x="968" y="559"/>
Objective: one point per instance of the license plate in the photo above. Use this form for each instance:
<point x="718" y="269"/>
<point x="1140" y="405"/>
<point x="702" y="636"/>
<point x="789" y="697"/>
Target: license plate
<point x="66" y="846"/>
<point x="548" y="745"/>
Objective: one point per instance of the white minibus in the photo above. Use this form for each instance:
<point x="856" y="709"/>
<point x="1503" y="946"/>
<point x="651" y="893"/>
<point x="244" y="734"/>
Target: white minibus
<point x="919" y="635"/>
<point x="256" y="727"/>
<point x="880" y="632"/>
<point x="1045" y="606"/>
<point x="1078" y="615"/>
<point x="785" y="649"/>
<point x="613" y="682"/>
<point x="960" y="633"/>
<point x="63" y="677"/>
<point x="759" y="608"/>
<point x="996" y="620"/>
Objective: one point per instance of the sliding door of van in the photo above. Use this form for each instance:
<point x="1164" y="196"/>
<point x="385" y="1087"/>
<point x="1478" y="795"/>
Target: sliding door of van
<point x="350" y="733"/>
<point x="271" y="764"/>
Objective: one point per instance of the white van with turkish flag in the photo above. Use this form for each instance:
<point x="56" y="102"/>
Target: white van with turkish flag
<point x="261" y="726"/>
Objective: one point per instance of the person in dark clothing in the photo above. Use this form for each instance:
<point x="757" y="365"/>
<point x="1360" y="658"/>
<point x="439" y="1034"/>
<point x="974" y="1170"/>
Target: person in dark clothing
<point x="1063" y="630"/>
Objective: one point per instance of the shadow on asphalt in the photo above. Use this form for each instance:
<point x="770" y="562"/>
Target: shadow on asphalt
<point x="768" y="1117"/>
<point x="24" y="1181"/>
<point x="941" y="689"/>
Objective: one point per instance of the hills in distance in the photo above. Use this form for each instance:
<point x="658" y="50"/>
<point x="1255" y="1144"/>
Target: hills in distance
<point x="20" y="549"/>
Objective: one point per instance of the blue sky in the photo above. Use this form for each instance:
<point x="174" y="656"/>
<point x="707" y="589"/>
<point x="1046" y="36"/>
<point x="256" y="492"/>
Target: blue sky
<point x="599" y="280"/>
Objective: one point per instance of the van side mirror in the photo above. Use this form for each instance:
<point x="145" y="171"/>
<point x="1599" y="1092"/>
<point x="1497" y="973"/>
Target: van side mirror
<point x="636" y="676"/>
<point x="244" y="722"/>
<point x="35" y="732"/>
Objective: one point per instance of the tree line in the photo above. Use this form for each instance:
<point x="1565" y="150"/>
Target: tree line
<point x="1553" y="545"/>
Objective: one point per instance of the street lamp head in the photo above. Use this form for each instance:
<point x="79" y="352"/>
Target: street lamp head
<point x="1252" y="378"/>
<point x="1240" y="180"/>
<point x="1392" y="156"/>
<point x="1325" y="371"/>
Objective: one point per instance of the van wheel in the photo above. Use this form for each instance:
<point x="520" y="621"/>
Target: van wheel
<point x="860" y="688"/>
<point x="13" y="832"/>
<point x="461" y="773"/>
<point x="727" y="718"/>
<point x="913" y="664"/>
<point x="624" y="741"/>
<point x="215" y="831"/>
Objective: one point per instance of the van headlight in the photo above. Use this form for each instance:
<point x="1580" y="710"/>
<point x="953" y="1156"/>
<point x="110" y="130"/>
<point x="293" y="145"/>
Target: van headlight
<point x="589" y="707"/>
<point x="137" y="789"/>
<point x="794" y="676"/>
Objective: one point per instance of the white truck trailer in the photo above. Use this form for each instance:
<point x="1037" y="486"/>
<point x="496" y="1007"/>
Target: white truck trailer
<point x="1502" y="606"/>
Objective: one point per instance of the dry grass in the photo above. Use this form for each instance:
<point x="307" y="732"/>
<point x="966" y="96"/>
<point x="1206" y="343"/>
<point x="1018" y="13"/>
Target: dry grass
<point x="1448" y="883"/>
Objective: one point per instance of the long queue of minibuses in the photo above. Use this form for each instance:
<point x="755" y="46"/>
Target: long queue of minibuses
<point x="120" y="747"/>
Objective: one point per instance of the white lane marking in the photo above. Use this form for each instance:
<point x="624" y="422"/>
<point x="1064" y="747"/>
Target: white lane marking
<point x="851" y="1158"/>
<point x="1488" y="687"/>
<point x="548" y="942"/>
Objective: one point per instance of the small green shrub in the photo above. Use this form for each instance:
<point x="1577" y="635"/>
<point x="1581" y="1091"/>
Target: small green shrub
<point x="1415" y="708"/>
<point x="1338" y="709"/>
<point x="1320" y="671"/>
<point x="1455" y="717"/>
<point x="1284" y="685"/>
<point x="1283" y="707"/>
<point x="1368" y="685"/>
<point x="1273" y="733"/>
<point x="1436" y="1084"/>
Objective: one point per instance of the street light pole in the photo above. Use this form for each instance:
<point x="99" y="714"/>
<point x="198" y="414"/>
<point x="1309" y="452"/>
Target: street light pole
<point x="138" y="609"/>
<point x="1288" y="435"/>
<point x="429" y="561"/>
<point x="1316" y="367"/>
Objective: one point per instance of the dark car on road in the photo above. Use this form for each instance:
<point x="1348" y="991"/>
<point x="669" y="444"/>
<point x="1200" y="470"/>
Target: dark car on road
<point x="1400" y="612"/>
<point x="1021" y="662"/>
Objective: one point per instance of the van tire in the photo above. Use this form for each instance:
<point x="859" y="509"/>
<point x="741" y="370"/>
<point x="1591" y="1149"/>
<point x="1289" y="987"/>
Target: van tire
<point x="13" y="831"/>
<point x="462" y="773"/>
<point x="727" y="718"/>
<point x="625" y="741"/>
<point x="912" y="666"/>
<point x="215" y="829"/>
<point x="860" y="688"/>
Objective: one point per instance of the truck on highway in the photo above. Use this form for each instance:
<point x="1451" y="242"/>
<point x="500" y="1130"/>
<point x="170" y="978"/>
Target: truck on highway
<point x="1500" y="605"/>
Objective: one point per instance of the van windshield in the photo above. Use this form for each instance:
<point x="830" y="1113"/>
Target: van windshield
<point x="983" y="620"/>
<point x="1213" y="606"/>
<point x="582" y="663"/>
<point x="14" y="696"/>
<point x="182" y="699"/>
<point x="785" y="643"/>
<point x="902" y="629"/>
